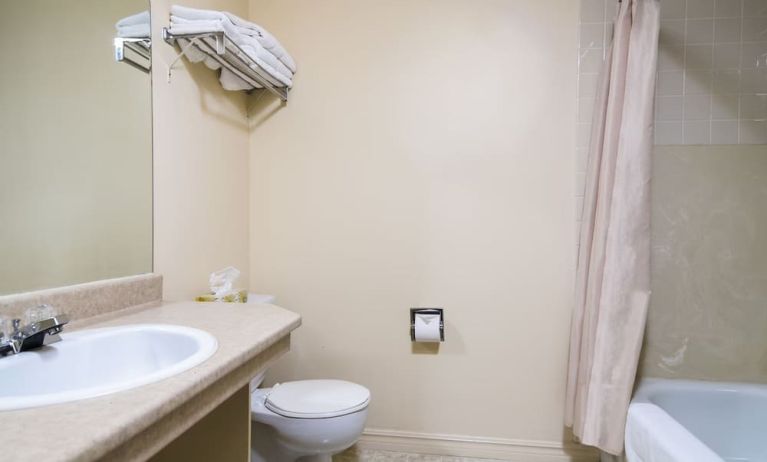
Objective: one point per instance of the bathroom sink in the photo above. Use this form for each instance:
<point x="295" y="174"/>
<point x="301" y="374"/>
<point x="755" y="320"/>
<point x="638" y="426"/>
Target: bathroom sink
<point x="97" y="362"/>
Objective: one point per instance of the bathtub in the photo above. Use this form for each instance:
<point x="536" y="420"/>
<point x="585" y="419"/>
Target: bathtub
<point x="693" y="421"/>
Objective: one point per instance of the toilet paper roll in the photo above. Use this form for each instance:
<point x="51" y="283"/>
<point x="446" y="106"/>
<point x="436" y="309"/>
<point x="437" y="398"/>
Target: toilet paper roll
<point x="427" y="328"/>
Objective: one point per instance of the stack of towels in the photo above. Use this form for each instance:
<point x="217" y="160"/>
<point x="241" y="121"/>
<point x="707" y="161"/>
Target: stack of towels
<point x="274" y="63"/>
<point x="134" y="26"/>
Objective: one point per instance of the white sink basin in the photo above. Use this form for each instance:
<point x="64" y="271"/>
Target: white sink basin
<point x="96" y="362"/>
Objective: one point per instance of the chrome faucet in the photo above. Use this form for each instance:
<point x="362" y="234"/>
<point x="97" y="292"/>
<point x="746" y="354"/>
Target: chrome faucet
<point x="42" y="328"/>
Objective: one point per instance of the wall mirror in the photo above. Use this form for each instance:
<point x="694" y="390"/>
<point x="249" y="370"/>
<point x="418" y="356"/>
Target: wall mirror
<point x="75" y="142"/>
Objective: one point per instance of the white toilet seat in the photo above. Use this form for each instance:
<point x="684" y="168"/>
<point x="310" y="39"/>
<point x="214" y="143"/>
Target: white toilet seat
<point x="306" y="419"/>
<point x="317" y="399"/>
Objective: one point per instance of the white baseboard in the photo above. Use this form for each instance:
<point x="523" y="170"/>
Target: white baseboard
<point x="473" y="446"/>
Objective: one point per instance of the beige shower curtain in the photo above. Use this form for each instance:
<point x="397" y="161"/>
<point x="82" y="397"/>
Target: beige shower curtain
<point x="613" y="277"/>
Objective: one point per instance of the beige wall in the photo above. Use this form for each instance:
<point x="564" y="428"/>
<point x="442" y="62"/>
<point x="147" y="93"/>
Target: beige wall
<point x="200" y="167"/>
<point x="75" y="147"/>
<point x="424" y="159"/>
<point x="707" y="317"/>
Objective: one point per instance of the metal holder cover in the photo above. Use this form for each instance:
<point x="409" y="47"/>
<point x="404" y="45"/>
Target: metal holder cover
<point x="223" y="50"/>
<point x="439" y="311"/>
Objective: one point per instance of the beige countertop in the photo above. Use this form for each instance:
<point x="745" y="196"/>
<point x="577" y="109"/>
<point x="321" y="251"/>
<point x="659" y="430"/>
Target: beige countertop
<point x="249" y="337"/>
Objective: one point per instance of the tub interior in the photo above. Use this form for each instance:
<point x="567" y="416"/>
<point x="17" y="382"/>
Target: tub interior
<point x="733" y="423"/>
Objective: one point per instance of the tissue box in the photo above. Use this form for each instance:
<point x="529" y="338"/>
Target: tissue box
<point x="235" y="296"/>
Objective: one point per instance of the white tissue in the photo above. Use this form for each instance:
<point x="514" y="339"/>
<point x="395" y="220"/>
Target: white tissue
<point x="222" y="281"/>
<point x="427" y="327"/>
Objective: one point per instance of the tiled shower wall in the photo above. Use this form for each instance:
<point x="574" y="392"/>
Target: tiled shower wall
<point x="593" y="38"/>
<point x="712" y="73"/>
<point x="709" y="224"/>
<point x="712" y="70"/>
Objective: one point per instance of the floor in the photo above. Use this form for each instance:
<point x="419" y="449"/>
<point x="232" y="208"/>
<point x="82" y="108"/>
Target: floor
<point x="354" y="454"/>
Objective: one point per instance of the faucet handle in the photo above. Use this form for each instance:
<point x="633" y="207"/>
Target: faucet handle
<point x="38" y="313"/>
<point x="47" y="311"/>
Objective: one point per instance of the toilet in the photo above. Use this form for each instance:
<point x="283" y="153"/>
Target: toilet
<point x="305" y="420"/>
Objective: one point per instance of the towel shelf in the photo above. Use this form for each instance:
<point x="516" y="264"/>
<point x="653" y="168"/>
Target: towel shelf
<point x="142" y="47"/>
<point x="228" y="54"/>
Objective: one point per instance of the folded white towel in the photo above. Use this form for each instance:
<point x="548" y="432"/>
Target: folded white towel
<point x="211" y="25"/>
<point x="231" y="82"/>
<point x="265" y="60"/>
<point x="266" y="40"/>
<point x="228" y="78"/>
<point x="134" y="31"/>
<point x="248" y="28"/>
<point x="180" y="26"/>
<point x="132" y="20"/>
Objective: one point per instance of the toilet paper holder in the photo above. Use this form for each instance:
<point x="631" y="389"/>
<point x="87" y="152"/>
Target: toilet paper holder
<point x="438" y="311"/>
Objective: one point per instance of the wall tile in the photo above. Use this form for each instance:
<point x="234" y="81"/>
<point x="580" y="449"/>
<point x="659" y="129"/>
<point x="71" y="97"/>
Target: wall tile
<point x="580" y="184"/>
<point x="671" y="58"/>
<point x="726" y="81"/>
<point x="698" y="82"/>
<point x="672" y="9"/>
<point x="669" y="108"/>
<point x="754" y="29"/>
<point x="591" y="35"/>
<point x="698" y="56"/>
<point x="728" y="8"/>
<point x="699" y="31"/>
<point x="579" y="206"/>
<point x="753" y="132"/>
<point x="670" y="83"/>
<point x="753" y="55"/>
<point x="587" y="84"/>
<point x="668" y="133"/>
<point x="582" y="135"/>
<point x="697" y="107"/>
<point x="700" y="9"/>
<point x="581" y="159"/>
<point x="753" y="107"/>
<point x="753" y="81"/>
<point x="697" y="132"/>
<point x="724" y="132"/>
<point x="590" y="60"/>
<point x="608" y="32"/>
<point x="611" y="10"/>
<point x="752" y="8"/>
<point x="726" y="56"/>
<point x="592" y="10"/>
<point x="712" y="69"/>
<point x="671" y="33"/>
<point x="727" y="30"/>
<point x="585" y="110"/>
<point x="725" y="107"/>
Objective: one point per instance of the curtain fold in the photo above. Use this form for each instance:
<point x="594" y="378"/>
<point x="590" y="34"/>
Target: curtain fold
<point x="613" y="277"/>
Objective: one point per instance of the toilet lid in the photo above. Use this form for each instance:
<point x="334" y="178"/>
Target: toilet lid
<point x="317" y="399"/>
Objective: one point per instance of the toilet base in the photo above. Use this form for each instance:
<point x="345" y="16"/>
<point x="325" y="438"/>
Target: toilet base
<point x="264" y="448"/>
<point x="320" y="458"/>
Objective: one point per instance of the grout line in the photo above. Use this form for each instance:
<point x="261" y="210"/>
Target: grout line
<point x="740" y="68"/>
<point x="684" y="71"/>
<point x="711" y="80"/>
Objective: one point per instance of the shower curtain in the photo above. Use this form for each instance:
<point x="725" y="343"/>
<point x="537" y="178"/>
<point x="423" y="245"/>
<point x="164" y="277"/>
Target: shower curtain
<point x="613" y="276"/>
